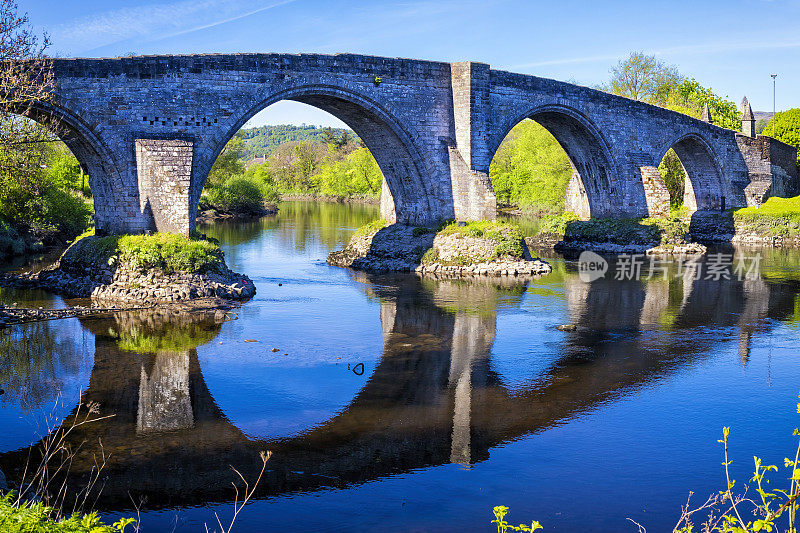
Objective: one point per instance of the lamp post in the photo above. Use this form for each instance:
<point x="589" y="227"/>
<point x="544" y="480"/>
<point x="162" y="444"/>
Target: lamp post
<point x="773" y="104"/>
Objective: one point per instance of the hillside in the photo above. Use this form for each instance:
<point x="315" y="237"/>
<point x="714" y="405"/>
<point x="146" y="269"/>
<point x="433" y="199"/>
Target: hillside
<point x="264" y="139"/>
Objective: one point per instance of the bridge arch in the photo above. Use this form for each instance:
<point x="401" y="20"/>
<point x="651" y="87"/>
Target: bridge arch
<point x="592" y="190"/>
<point x="389" y="142"/>
<point x="703" y="186"/>
<point x="99" y="162"/>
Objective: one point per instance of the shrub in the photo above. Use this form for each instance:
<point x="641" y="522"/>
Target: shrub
<point x="167" y="252"/>
<point x="27" y="517"/>
<point x="243" y="193"/>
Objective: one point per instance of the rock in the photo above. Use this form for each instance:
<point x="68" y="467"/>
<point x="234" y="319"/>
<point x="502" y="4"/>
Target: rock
<point x="3" y="482"/>
<point x="567" y="327"/>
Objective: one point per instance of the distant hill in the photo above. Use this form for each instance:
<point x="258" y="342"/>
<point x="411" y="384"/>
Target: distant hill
<point x="264" y="139"/>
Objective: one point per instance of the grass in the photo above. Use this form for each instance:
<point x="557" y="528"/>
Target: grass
<point x="617" y="230"/>
<point x="507" y="237"/>
<point x="775" y="217"/>
<point x="168" y="252"/>
<point x="371" y="227"/>
<point x="29" y="517"/>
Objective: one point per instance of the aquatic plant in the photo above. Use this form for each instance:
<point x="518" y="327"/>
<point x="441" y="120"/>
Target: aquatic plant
<point x="500" y="512"/>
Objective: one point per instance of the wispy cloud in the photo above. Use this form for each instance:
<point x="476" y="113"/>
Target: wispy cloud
<point x="694" y="49"/>
<point x="151" y="22"/>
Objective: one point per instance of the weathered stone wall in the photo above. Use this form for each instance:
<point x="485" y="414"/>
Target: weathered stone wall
<point x="772" y="167"/>
<point x="165" y="174"/>
<point x="433" y="128"/>
<point x="655" y="192"/>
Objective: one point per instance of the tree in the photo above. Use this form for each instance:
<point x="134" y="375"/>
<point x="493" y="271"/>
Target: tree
<point x="787" y="128"/>
<point x="643" y="77"/>
<point x="229" y="163"/>
<point x="25" y="79"/>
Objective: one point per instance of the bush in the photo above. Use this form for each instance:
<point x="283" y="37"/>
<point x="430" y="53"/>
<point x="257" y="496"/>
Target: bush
<point x="240" y="194"/>
<point x="167" y="252"/>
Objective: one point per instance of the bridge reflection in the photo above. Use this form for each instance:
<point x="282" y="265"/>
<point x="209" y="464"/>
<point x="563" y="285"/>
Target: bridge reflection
<point x="434" y="398"/>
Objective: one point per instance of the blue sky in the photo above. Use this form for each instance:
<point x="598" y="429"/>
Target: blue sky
<point x="731" y="45"/>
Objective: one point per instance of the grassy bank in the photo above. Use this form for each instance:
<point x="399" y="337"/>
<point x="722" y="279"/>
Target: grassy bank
<point x="777" y="217"/>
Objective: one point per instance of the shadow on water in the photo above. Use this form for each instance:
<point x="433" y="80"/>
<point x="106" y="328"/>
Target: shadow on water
<point x="435" y="396"/>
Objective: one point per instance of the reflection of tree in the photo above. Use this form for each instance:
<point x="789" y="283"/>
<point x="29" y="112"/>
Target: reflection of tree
<point x="37" y="358"/>
<point x="159" y="330"/>
<point x="296" y="225"/>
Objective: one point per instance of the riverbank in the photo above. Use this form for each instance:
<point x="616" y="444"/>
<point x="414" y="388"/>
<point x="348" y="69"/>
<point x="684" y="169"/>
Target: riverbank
<point x="208" y="213"/>
<point x="139" y="269"/>
<point x="457" y="249"/>
<point x="298" y="197"/>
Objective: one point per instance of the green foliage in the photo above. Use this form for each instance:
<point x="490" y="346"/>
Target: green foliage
<point x="371" y="227"/>
<point x="30" y="517"/>
<point x="229" y="162"/>
<point x="643" y="77"/>
<point x="674" y="176"/>
<point x="556" y="224"/>
<point x="243" y="193"/>
<point x="265" y="139"/>
<point x="507" y="237"/>
<point x="646" y="78"/>
<point x="530" y="169"/>
<point x="187" y="337"/>
<point x="776" y="216"/>
<point x="168" y="252"/>
<point x="690" y="97"/>
<point x="787" y="129"/>
<point x="500" y="513"/>
<point x="617" y="230"/>
<point x="39" y="191"/>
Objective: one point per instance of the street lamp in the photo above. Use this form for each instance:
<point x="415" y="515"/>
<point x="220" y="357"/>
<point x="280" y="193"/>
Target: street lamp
<point x="773" y="104"/>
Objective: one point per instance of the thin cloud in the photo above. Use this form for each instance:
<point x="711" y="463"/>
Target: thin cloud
<point x="151" y="22"/>
<point x="696" y="49"/>
<point x="230" y="19"/>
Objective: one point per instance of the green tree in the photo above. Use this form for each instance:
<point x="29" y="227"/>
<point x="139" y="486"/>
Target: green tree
<point x="229" y="163"/>
<point x="787" y="128"/>
<point x="643" y="77"/>
<point x="531" y="169"/>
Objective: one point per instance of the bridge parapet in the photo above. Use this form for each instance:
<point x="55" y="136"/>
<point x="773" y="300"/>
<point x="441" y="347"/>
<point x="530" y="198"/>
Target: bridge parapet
<point x="433" y="128"/>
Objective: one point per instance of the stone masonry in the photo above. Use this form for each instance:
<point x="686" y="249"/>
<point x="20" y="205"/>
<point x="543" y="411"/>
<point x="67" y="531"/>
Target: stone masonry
<point x="165" y="174"/>
<point x="148" y="129"/>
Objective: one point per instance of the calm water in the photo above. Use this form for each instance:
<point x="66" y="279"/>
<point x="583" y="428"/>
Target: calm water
<point x="399" y="404"/>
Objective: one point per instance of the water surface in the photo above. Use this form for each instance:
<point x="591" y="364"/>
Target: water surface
<point x="403" y="404"/>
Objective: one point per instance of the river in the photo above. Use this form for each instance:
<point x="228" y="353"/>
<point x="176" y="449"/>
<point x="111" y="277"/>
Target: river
<point x="393" y="403"/>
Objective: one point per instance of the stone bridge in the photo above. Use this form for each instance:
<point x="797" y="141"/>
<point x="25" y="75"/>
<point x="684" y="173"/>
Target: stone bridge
<point x="148" y="129"/>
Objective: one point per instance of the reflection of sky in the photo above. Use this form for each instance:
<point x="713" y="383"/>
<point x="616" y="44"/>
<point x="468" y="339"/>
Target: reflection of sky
<point x="322" y="328"/>
<point x="318" y="316"/>
<point x="55" y="390"/>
